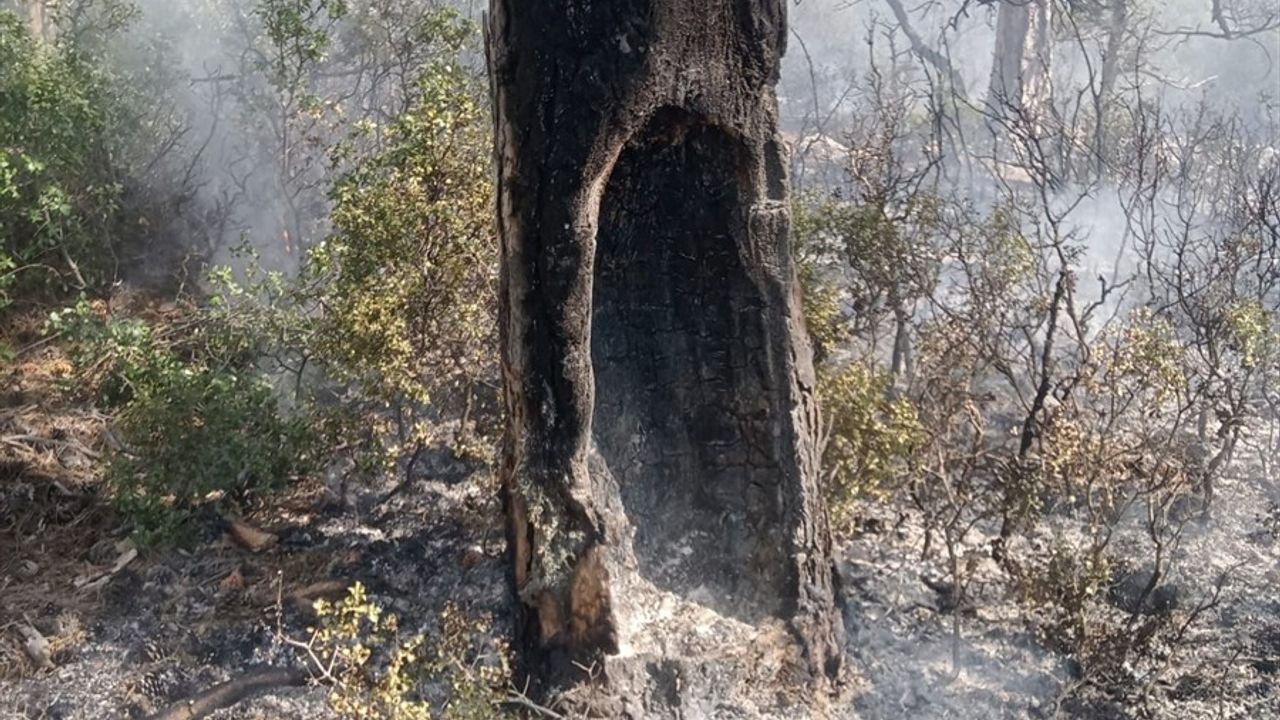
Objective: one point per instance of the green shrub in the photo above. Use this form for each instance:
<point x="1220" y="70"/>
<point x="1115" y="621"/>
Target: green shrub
<point x="373" y="670"/>
<point x="869" y="435"/>
<point x="1065" y="584"/>
<point x="816" y="263"/>
<point x="113" y="357"/>
<point x="201" y="437"/>
<point x="875" y="255"/>
<point x="195" y="429"/>
<point x="59" y="194"/>
<point x="407" y="278"/>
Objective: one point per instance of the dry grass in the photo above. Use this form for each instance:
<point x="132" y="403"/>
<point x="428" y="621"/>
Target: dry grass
<point x="51" y="508"/>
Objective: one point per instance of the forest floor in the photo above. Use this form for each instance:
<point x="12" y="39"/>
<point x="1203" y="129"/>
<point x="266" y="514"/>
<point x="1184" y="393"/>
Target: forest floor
<point x="912" y="660"/>
<point x="126" y="633"/>
<point x="129" y="633"/>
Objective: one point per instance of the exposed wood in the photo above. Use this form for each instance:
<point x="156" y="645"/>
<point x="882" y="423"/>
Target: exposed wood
<point x="304" y="598"/>
<point x="248" y="536"/>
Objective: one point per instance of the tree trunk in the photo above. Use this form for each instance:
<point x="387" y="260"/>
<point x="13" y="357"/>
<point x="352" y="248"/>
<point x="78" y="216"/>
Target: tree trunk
<point x="1020" y="86"/>
<point x="660" y="468"/>
<point x="1117" y="29"/>
<point x="35" y="12"/>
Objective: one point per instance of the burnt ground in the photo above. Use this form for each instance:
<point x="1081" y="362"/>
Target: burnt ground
<point x="1223" y="593"/>
<point x="172" y="623"/>
<point x="169" y="624"/>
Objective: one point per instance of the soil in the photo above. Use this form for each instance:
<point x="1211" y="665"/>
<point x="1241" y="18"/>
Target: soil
<point x="170" y="624"/>
<point x="127" y="636"/>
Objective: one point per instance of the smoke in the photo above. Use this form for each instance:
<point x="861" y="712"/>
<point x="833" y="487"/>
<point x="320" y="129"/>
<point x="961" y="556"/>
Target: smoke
<point x="246" y="169"/>
<point x="1169" y="65"/>
<point x="1185" y="58"/>
<point x="1189" y="126"/>
<point x="246" y="135"/>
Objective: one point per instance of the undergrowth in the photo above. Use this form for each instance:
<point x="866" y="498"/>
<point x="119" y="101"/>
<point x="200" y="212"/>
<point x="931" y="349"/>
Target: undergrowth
<point x="375" y="670"/>
<point x="195" y="428"/>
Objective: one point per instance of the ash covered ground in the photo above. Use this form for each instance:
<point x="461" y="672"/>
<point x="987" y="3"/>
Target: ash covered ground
<point x="129" y="635"/>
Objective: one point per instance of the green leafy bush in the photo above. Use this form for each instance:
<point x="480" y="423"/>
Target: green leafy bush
<point x="373" y="669"/>
<point x="869" y="435"/>
<point x="195" y="429"/>
<point x="59" y="193"/>
<point x="407" y="278"/>
<point x="201" y="436"/>
<point x="815" y="256"/>
<point x="113" y="356"/>
<point x="1065" y="586"/>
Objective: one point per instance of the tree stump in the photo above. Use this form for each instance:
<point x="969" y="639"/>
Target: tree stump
<point x="660" y="465"/>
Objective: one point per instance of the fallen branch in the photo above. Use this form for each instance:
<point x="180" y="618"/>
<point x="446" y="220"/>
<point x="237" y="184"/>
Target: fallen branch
<point x="304" y="598"/>
<point x="518" y="697"/>
<point x="26" y="442"/>
<point x="231" y="692"/>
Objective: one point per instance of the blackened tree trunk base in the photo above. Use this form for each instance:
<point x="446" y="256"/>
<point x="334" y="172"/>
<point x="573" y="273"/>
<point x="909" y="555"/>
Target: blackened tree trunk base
<point x="660" y="469"/>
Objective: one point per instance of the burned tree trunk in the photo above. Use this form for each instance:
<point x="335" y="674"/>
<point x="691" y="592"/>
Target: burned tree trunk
<point x="660" y="468"/>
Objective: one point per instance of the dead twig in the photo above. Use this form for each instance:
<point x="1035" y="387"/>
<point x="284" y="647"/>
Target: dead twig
<point x="515" y="696"/>
<point x="25" y="442"/>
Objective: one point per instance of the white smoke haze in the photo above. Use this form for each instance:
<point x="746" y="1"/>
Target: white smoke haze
<point x="260" y="181"/>
<point x="1170" y="60"/>
<point x="251" y="164"/>
<point x="1191" y="134"/>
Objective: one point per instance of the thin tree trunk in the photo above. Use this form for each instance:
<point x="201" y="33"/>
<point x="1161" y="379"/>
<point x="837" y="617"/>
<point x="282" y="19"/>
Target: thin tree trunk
<point x="1004" y="89"/>
<point x="1037" y="66"/>
<point x="901" y="365"/>
<point x="660" y="447"/>
<point x="1020" y="88"/>
<point x="36" y="12"/>
<point x="1117" y="28"/>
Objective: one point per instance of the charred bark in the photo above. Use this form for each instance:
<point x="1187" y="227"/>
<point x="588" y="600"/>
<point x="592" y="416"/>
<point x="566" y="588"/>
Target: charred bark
<point x="659" y="466"/>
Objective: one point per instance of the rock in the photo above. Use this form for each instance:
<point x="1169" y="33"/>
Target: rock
<point x="234" y="582"/>
<point x="472" y="557"/>
<point x="103" y="551"/>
